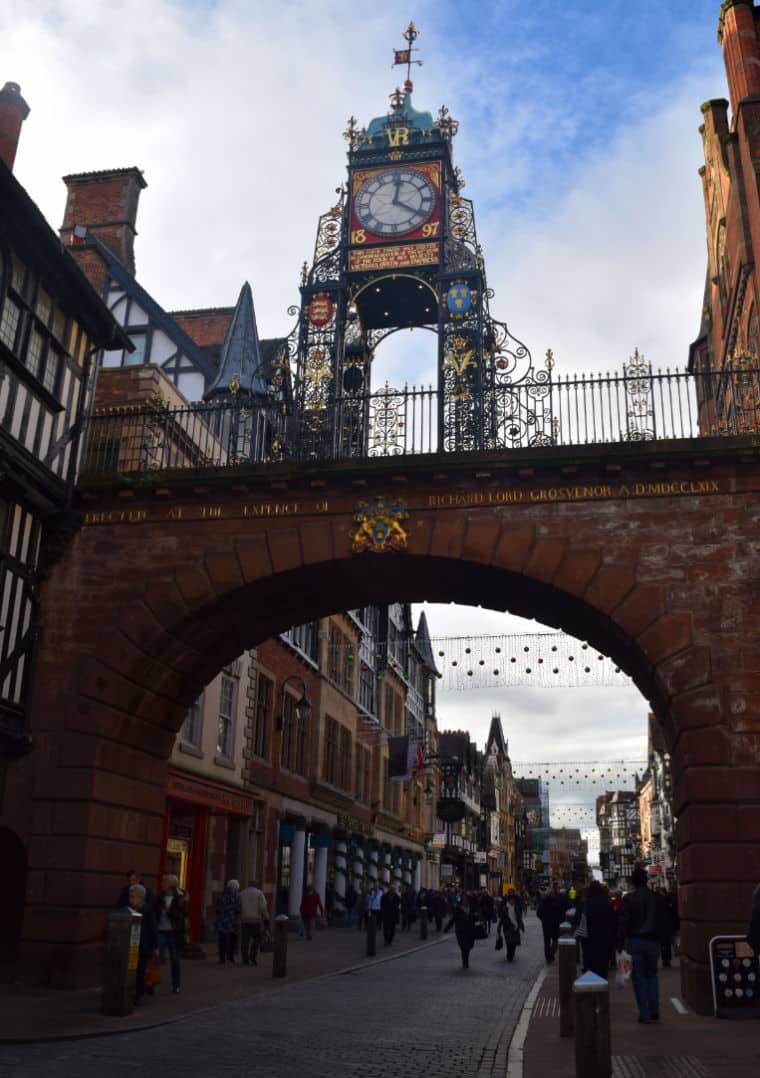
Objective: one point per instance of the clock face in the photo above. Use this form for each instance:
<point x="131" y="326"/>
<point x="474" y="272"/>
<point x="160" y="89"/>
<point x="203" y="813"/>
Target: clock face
<point x="395" y="202"/>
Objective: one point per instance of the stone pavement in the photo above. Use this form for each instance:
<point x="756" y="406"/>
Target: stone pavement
<point x="678" y="1046"/>
<point x="38" y="1014"/>
<point x="417" y="1015"/>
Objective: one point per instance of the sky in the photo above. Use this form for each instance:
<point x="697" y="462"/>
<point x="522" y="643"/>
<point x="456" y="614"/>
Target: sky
<point x="578" y="142"/>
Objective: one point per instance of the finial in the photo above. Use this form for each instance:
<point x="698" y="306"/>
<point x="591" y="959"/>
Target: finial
<point x="549" y="362"/>
<point x="404" y="56"/>
<point x="352" y="132"/>
<point x="446" y="124"/>
<point x="397" y="100"/>
<point x="304" y="273"/>
<point x="234" y="384"/>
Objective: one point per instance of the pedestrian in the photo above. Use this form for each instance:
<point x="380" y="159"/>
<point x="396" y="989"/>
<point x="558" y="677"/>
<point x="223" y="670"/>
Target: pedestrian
<point x="171" y="911"/>
<point x="137" y="900"/>
<point x="488" y="909"/>
<point x="228" y="911"/>
<point x="438" y="909"/>
<point x="362" y="907"/>
<point x="595" y="927"/>
<point x="640" y="930"/>
<point x="351" y="900"/>
<point x="329" y="902"/>
<point x="510" y="924"/>
<point x="377" y="898"/>
<point x="408" y="908"/>
<point x="254" y="914"/>
<point x="311" y="908"/>
<point x="390" y="906"/>
<point x="550" y="915"/>
<point x="753" y="932"/>
<point x="463" y="920"/>
<point x="133" y="877"/>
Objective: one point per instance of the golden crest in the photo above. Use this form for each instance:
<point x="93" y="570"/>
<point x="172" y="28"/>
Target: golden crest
<point x="460" y="357"/>
<point x="377" y="525"/>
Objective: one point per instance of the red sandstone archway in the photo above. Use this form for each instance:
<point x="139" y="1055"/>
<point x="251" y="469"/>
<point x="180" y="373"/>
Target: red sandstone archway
<point x="664" y="581"/>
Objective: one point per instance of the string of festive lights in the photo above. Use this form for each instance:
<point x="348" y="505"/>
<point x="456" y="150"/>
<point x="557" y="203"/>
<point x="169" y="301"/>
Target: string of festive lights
<point x="541" y="660"/>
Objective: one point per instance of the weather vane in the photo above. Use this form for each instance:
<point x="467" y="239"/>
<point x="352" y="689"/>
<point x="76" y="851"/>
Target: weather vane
<point x="404" y="56"/>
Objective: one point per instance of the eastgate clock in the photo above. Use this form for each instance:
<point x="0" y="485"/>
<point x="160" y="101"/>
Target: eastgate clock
<point x="395" y="202"/>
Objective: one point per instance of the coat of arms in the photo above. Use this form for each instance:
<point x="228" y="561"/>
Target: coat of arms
<point x="377" y="525"/>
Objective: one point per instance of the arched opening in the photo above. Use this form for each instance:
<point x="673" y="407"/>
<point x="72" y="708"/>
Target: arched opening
<point x="406" y="357"/>
<point x="12" y="894"/>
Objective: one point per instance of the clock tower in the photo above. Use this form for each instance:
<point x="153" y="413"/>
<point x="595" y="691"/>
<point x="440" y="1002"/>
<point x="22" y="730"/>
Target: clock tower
<point x="399" y="251"/>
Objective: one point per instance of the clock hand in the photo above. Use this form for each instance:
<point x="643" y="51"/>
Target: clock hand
<point x="406" y="206"/>
<point x="397" y="181"/>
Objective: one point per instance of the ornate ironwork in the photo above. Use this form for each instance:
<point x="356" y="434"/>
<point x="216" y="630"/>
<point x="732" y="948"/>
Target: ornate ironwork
<point x="639" y="412"/>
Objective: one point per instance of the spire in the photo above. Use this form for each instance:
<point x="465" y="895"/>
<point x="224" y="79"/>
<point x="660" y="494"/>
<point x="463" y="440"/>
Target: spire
<point x="424" y="645"/>
<point x="240" y="363"/>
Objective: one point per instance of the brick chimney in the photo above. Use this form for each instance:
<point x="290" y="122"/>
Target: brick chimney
<point x="13" y="111"/>
<point x="106" y="204"/>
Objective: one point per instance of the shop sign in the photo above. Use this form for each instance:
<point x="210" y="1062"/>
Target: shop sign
<point x="480" y="857"/>
<point x="735" y="975"/>
<point x="439" y="839"/>
<point x="447" y="870"/>
<point x="209" y="794"/>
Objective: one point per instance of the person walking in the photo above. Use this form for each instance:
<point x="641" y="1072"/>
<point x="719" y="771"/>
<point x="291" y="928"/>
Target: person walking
<point x="390" y="906"/>
<point x="511" y="924"/>
<point x="363" y="905"/>
<point x="595" y="926"/>
<point x="408" y="908"/>
<point x="311" y="908"/>
<point x="137" y="900"/>
<point x="351" y="900"/>
<point x="228" y="911"/>
<point x="377" y="898"/>
<point x="171" y="911"/>
<point x="640" y="928"/>
<point x="438" y="904"/>
<point x="488" y="909"/>
<point x="549" y="914"/>
<point x="463" y="920"/>
<point x="254" y="914"/>
<point x="133" y="877"/>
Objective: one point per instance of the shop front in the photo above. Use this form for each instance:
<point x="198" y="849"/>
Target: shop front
<point x="206" y="827"/>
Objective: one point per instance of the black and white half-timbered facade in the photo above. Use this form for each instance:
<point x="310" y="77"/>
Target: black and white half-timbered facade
<point x="51" y="324"/>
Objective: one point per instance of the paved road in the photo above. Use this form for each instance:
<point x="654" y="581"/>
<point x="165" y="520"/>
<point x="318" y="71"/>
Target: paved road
<point x="420" y="1015"/>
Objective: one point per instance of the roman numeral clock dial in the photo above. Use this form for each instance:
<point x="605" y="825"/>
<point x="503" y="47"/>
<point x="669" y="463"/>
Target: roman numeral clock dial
<point x="395" y="202"/>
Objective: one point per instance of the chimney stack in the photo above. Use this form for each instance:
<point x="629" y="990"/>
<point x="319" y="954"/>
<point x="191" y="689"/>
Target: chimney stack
<point x="13" y="111"/>
<point x="105" y="203"/>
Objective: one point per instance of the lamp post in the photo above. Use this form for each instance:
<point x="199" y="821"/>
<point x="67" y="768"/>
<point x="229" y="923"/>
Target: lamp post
<point x="303" y="707"/>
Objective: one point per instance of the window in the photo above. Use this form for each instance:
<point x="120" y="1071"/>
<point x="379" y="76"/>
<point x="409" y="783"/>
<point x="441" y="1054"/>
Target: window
<point x="134" y="359"/>
<point x="226" y="730"/>
<point x="9" y="320"/>
<point x="192" y="727"/>
<point x="393" y="719"/>
<point x="363" y="774"/>
<point x="330" y="760"/>
<point x="341" y="659"/>
<point x="391" y="794"/>
<point x="367" y="683"/>
<point x="263" y="720"/>
<point x="305" y="638"/>
<point x="344" y="759"/>
<point x="293" y="754"/>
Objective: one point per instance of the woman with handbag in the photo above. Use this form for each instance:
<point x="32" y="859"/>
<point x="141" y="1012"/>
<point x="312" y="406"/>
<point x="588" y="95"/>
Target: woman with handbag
<point x="463" y="919"/>
<point x="510" y="925"/>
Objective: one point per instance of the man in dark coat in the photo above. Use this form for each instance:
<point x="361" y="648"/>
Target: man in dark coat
<point x="133" y="877"/>
<point x="390" y="905"/>
<point x="549" y="913"/>
<point x="641" y="924"/>
<point x="137" y="901"/>
<point x="463" y="920"/>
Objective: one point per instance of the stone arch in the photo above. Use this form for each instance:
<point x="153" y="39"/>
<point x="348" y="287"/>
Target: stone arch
<point x="657" y="584"/>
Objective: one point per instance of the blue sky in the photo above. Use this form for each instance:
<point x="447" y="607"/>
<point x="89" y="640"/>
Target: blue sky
<point x="578" y="141"/>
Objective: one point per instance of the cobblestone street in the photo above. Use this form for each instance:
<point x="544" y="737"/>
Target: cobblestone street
<point x="418" y="1015"/>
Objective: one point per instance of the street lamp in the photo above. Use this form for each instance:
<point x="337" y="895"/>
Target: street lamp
<point x="303" y="707"/>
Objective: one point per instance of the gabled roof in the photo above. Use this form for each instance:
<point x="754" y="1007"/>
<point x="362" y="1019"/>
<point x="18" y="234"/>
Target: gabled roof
<point x="241" y="353"/>
<point x="424" y="644"/>
<point x="496" y="736"/>
<point x="28" y="230"/>
<point x="156" y="313"/>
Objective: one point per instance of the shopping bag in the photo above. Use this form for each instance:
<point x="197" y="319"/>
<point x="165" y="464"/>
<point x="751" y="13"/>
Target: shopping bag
<point x="266" y="941"/>
<point x="623" y="969"/>
<point x="499" y="943"/>
<point x="480" y="931"/>
<point x="152" y="974"/>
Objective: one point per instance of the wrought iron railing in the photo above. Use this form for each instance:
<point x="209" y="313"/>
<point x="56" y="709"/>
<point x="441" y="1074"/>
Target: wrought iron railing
<point x="600" y="409"/>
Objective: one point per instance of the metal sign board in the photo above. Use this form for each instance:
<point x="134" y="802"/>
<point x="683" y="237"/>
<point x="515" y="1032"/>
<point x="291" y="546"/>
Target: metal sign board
<point x="735" y="978"/>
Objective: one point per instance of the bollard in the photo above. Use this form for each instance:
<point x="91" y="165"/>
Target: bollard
<point x="122" y="956"/>
<point x="280" y="946"/>
<point x="567" y="971"/>
<point x="423" y="922"/>
<point x="593" y="1050"/>
<point x="371" y="935"/>
<point x="565" y="929"/>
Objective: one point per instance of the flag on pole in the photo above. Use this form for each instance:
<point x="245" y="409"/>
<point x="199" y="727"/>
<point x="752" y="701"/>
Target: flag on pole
<point x="405" y="759"/>
<point x="402" y="56"/>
